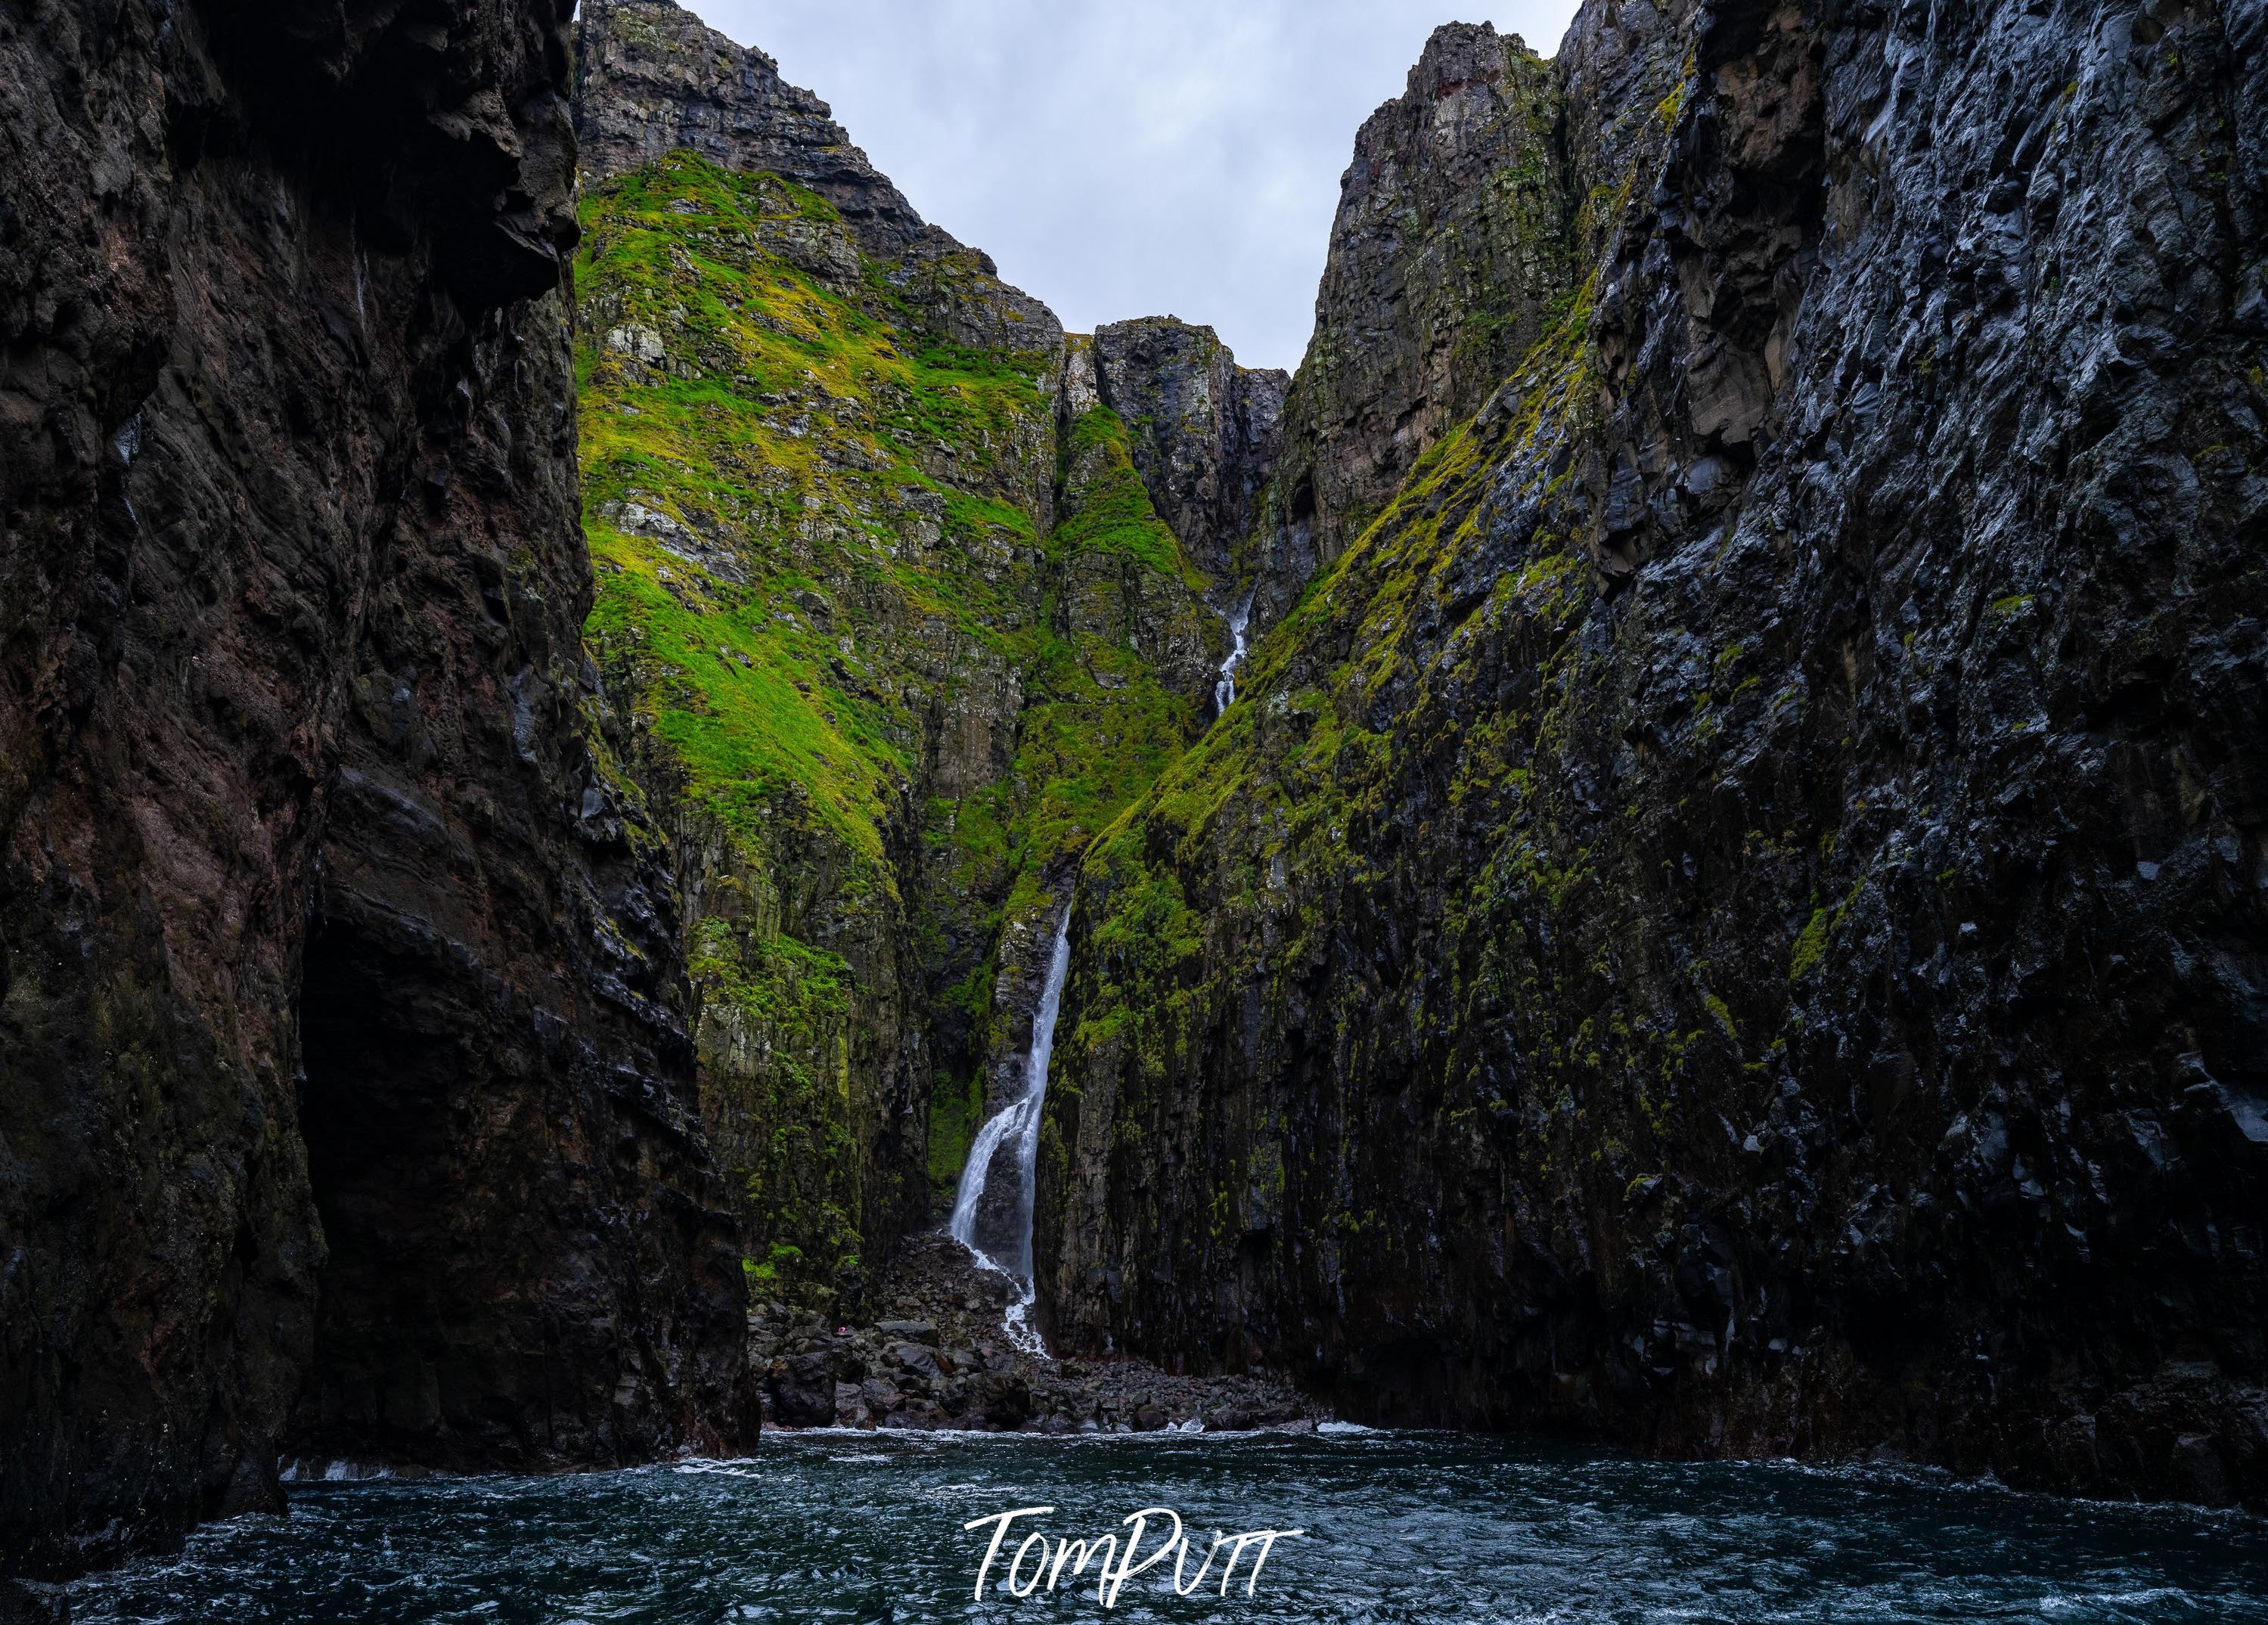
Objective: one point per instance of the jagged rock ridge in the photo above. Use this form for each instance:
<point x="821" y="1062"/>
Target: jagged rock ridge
<point x="650" y="78"/>
<point x="1446" y="255"/>
<point x="1731" y="918"/>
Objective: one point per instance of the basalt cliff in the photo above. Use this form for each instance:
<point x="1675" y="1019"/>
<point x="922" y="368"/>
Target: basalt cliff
<point x="890" y="623"/>
<point x="546" y="734"/>
<point x="347" y="1087"/>
<point x="1728" y="915"/>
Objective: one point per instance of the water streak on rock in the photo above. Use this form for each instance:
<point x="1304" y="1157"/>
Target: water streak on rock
<point x="1017" y="1127"/>
<point x="1224" y="692"/>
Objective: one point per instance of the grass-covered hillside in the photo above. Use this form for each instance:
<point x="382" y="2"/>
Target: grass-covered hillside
<point x="887" y="638"/>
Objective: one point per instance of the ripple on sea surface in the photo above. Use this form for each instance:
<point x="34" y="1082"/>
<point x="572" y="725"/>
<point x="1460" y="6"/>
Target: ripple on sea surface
<point x="1402" y="1529"/>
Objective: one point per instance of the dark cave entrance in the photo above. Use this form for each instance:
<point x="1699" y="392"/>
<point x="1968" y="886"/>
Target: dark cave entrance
<point x="402" y="1371"/>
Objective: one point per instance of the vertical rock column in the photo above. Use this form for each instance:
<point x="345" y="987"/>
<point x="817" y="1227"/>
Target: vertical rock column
<point x="1448" y="256"/>
<point x="1204" y="432"/>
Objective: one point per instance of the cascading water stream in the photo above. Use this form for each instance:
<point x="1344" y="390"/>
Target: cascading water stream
<point x="1224" y="692"/>
<point x="1017" y="1129"/>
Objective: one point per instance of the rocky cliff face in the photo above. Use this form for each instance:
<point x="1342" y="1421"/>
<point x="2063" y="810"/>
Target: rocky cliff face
<point x="1205" y="433"/>
<point x="339" y="1063"/>
<point x="652" y="79"/>
<point x="890" y="624"/>
<point x="1731" y="918"/>
<point x="1448" y="259"/>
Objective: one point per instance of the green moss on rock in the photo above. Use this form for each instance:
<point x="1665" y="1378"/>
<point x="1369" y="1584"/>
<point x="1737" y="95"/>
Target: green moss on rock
<point x="883" y="695"/>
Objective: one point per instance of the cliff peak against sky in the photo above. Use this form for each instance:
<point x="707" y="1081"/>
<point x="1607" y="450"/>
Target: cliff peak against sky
<point x="1183" y="157"/>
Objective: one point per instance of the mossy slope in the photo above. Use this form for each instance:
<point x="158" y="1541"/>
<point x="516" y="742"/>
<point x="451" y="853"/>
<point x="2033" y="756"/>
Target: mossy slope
<point x="882" y="696"/>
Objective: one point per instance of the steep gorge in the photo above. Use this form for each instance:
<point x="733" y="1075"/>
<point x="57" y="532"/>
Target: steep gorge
<point x="539" y="775"/>
<point x="1731" y="917"/>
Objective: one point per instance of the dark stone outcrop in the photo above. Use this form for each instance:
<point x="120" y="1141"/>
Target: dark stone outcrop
<point x="957" y="295"/>
<point x="1138" y="463"/>
<point x="1737" y="921"/>
<point x="1204" y="432"/>
<point x="318" y="937"/>
<point x="1447" y="251"/>
<point x="956" y="1368"/>
<point x="26" y="1602"/>
<point x="651" y="77"/>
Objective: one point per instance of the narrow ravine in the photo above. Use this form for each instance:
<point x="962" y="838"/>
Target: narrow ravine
<point x="1014" y="1130"/>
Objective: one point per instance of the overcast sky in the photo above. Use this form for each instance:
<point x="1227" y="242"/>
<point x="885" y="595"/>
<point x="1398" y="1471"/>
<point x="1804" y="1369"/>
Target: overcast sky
<point x="1124" y="157"/>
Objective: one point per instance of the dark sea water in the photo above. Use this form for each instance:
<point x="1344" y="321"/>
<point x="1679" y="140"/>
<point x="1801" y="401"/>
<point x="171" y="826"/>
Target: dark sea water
<point x="1428" y="1529"/>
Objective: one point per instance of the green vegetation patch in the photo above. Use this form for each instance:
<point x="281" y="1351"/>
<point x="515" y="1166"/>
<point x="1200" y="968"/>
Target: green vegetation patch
<point x="822" y="573"/>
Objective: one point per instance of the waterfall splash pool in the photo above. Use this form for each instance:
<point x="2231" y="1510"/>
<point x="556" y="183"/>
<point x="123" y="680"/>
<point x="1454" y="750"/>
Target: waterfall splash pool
<point x="1402" y="1529"/>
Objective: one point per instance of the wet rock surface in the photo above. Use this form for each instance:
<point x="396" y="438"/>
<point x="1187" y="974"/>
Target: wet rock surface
<point x="28" y="1603"/>
<point x="1733" y="919"/>
<point x="941" y="1359"/>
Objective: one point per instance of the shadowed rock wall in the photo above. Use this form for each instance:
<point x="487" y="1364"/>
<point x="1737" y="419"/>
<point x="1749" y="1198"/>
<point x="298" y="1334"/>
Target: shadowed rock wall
<point x="306" y="863"/>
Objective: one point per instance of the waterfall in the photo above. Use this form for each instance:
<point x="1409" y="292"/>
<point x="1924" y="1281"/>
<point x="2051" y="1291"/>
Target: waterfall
<point x="1224" y="692"/>
<point x="1016" y="1129"/>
